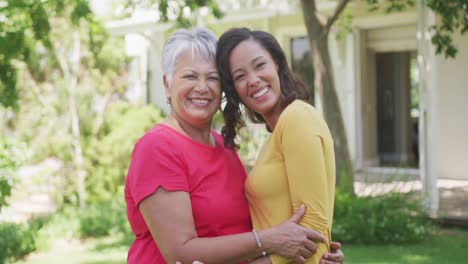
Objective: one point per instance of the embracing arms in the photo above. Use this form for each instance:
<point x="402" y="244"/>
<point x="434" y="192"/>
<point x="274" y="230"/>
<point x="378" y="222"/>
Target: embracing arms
<point x="169" y="218"/>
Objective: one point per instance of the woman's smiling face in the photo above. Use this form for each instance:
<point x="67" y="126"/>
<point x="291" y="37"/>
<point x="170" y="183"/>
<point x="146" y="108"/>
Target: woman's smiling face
<point x="256" y="79"/>
<point x="194" y="90"/>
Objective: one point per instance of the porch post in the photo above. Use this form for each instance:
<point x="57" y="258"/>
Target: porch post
<point x="427" y="161"/>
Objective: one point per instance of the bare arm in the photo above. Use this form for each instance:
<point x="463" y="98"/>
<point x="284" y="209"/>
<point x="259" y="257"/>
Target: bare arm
<point x="170" y="221"/>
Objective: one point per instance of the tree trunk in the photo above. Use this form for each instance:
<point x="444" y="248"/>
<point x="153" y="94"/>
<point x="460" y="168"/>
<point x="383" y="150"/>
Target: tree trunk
<point x="70" y="74"/>
<point x="325" y="86"/>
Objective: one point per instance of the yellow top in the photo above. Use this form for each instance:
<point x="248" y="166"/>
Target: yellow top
<point x="295" y="166"/>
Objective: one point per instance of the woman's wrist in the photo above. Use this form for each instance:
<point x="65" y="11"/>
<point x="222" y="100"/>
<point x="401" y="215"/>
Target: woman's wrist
<point x="259" y="243"/>
<point x="267" y="240"/>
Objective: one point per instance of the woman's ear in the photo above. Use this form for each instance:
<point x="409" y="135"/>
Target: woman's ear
<point x="166" y="86"/>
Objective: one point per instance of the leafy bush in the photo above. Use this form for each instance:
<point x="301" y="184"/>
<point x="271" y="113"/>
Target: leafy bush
<point x="5" y="190"/>
<point x="108" y="154"/>
<point x="11" y="155"/>
<point x="104" y="218"/>
<point x="389" y="218"/>
<point x="63" y="224"/>
<point x="16" y="241"/>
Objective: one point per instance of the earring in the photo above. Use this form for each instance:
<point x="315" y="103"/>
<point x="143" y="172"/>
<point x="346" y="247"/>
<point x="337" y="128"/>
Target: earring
<point x="168" y="101"/>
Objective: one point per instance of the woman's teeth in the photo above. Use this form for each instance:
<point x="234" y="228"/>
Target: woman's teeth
<point x="201" y="101"/>
<point x="260" y="93"/>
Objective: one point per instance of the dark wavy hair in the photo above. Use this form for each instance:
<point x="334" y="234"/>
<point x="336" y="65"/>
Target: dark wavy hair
<point x="292" y="88"/>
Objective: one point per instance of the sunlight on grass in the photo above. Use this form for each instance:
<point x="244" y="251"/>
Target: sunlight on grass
<point x="83" y="257"/>
<point x="447" y="246"/>
<point x="92" y="251"/>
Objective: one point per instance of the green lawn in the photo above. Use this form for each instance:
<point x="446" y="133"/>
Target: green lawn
<point x="93" y="251"/>
<point x="447" y="246"/>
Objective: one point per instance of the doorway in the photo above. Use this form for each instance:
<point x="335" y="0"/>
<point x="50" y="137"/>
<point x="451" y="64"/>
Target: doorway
<point x="397" y="107"/>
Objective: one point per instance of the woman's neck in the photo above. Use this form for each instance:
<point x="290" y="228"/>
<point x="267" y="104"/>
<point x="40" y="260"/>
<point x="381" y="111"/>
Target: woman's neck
<point x="200" y="134"/>
<point x="271" y="118"/>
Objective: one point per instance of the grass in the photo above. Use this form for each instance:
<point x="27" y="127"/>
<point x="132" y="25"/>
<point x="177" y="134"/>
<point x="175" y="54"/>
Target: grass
<point x="446" y="246"/>
<point x="91" y="251"/>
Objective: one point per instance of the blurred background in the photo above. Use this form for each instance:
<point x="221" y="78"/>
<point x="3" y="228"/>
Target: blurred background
<point x="80" y="82"/>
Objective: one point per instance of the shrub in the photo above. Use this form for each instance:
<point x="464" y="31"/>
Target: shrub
<point x="16" y="241"/>
<point x="389" y="218"/>
<point x="11" y="155"/>
<point x="104" y="218"/>
<point x="63" y="224"/>
<point x="108" y="154"/>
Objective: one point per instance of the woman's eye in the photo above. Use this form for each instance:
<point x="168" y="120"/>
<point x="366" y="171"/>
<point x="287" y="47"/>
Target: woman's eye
<point x="238" y="77"/>
<point x="260" y="64"/>
<point x="213" y="78"/>
<point x="190" y="77"/>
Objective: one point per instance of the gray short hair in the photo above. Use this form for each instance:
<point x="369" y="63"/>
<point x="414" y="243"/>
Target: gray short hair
<point x="201" y="41"/>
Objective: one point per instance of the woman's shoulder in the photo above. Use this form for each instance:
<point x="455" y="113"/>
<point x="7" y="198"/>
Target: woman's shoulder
<point x="301" y="117"/>
<point x="159" y="135"/>
<point x="299" y="111"/>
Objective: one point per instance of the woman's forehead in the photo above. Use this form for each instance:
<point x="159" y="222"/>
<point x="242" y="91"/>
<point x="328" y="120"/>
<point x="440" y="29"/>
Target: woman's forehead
<point x="191" y="58"/>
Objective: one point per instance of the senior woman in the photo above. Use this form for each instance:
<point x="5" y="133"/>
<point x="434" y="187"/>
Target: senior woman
<point x="184" y="189"/>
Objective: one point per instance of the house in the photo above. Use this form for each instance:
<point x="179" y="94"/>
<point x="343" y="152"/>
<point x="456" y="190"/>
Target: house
<point x="405" y="109"/>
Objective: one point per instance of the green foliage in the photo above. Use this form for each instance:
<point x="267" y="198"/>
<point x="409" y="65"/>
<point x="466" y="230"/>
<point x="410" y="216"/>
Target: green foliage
<point x="454" y="16"/>
<point x="49" y="79"/>
<point x="390" y="5"/>
<point x="5" y="191"/>
<point x="64" y="224"/>
<point x="344" y="24"/>
<point x="104" y="218"/>
<point x="16" y="241"/>
<point x="251" y="139"/>
<point x="8" y="93"/>
<point x="108" y="154"/>
<point x="184" y="13"/>
<point x="389" y="218"/>
<point x="11" y="155"/>
<point x="304" y="68"/>
<point x="24" y="25"/>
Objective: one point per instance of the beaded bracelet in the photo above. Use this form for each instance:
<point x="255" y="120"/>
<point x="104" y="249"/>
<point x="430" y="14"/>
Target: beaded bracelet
<point x="259" y="243"/>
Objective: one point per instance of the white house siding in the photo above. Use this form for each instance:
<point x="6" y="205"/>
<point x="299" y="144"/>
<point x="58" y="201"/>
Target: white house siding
<point x="449" y="119"/>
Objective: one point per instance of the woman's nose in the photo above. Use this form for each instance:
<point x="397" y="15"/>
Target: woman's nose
<point x="202" y="86"/>
<point x="253" y="80"/>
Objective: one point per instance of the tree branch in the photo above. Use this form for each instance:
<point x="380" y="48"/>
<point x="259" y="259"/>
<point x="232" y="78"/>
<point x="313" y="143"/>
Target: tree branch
<point x="339" y="8"/>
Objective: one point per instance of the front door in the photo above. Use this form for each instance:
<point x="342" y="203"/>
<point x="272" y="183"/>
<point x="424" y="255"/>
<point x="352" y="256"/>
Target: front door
<point x="397" y="124"/>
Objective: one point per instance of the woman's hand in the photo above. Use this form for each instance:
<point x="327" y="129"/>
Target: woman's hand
<point x="291" y="240"/>
<point x="335" y="256"/>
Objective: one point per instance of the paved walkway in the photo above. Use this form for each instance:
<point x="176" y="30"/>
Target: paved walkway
<point x="453" y="194"/>
<point x="453" y="202"/>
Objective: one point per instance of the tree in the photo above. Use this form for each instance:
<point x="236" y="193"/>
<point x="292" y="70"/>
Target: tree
<point x="24" y="24"/>
<point x="54" y="48"/>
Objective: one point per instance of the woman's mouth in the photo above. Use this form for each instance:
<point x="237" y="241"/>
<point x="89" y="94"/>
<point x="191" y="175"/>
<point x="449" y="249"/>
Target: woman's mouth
<point x="260" y="92"/>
